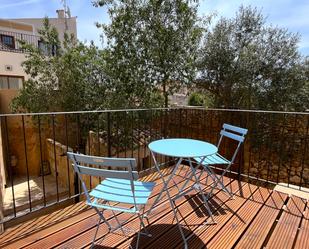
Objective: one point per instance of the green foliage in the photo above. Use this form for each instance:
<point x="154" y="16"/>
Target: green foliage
<point x="200" y="99"/>
<point x="150" y="45"/>
<point x="154" y="47"/>
<point x="247" y="64"/>
<point x="196" y="99"/>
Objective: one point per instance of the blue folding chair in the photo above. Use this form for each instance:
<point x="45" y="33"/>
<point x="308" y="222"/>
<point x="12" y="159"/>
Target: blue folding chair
<point x="119" y="188"/>
<point x="228" y="131"/>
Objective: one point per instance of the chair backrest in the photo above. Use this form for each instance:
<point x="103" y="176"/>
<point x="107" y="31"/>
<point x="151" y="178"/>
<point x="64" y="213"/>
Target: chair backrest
<point x="234" y="133"/>
<point x="126" y="168"/>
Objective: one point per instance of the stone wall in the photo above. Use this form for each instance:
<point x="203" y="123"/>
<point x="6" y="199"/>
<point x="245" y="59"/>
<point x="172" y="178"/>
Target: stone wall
<point x="24" y="144"/>
<point x="59" y="165"/>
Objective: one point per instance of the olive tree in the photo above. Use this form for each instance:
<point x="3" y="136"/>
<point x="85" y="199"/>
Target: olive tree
<point x="151" y="46"/>
<point x="245" y="63"/>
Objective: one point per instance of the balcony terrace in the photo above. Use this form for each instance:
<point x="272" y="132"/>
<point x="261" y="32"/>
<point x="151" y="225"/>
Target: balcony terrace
<point x="274" y="157"/>
<point x="257" y="217"/>
<point x="9" y="41"/>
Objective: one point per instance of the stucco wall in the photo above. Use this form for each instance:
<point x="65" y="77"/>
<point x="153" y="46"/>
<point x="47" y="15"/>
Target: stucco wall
<point x="58" y="23"/>
<point x="14" y="60"/>
<point x="6" y="96"/>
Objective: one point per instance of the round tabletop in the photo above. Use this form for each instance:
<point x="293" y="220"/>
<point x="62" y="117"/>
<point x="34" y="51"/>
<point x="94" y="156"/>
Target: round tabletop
<point x="182" y="147"/>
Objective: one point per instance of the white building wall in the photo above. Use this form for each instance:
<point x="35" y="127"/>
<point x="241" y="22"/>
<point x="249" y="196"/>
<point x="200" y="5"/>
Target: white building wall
<point x="14" y="61"/>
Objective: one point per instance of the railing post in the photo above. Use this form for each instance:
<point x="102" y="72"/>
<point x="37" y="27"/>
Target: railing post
<point x="109" y="151"/>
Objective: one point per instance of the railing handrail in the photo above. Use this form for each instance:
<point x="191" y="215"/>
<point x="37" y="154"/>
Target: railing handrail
<point x="18" y="33"/>
<point x="243" y="110"/>
<point x="149" y="109"/>
<point x="84" y="112"/>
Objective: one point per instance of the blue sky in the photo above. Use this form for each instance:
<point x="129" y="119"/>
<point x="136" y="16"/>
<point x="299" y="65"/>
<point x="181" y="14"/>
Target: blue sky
<point x="290" y="14"/>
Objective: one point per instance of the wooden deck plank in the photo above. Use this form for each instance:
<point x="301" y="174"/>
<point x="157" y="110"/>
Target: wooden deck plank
<point x="88" y="217"/>
<point x="86" y="226"/>
<point x="192" y="216"/>
<point x="114" y="239"/>
<point x="224" y="213"/>
<point x="260" y="227"/>
<point x="285" y="231"/>
<point x="233" y="229"/>
<point x="302" y="240"/>
<point x="21" y="234"/>
<point x="190" y="209"/>
<point x="243" y="222"/>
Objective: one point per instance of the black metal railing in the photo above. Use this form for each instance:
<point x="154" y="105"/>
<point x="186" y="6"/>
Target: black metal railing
<point x="275" y="150"/>
<point x="10" y="41"/>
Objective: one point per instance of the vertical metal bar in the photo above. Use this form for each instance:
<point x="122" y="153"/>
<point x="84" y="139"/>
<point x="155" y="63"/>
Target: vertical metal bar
<point x="291" y="148"/>
<point x="26" y="159"/>
<point x="259" y="147"/>
<point x="41" y="157"/>
<point x="98" y="140"/>
<point x="89" y="150"/>
<point x="179" y="122"/>
<point x="187" y="130"/>
<point x="150" y="131"/>
<point x="98" y="135"/>
<point x="55" y="156"/>
<point x="109" y="151"/>
<point x="304" y="154"/>
<point x="126" y="134"/>
<point x="162" y="116"/>
<point x="67" y="149"/>
<point x="145" y="137"/>
<point x="281" y="147"/>
<point x="117" y="130"/>
<point x="77" y="184"/>
<point x="205" y="132"/>
<point x="138" y="141"/>
<point x="163" y="121"/>
<point x="270" y="144"/>
<point x="251" y="133"/>
<point x="9" y="164"/>
<point x="132" y="134"/>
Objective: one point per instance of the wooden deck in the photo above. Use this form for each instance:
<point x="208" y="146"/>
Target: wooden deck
<point x="256" y="218"/>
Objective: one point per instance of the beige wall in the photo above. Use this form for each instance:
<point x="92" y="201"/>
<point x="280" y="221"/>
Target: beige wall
<point x="6" y="96"/>
<point x="59" y="23"/>
<point x="8" y="25"/>
<point x="14" y="60"/>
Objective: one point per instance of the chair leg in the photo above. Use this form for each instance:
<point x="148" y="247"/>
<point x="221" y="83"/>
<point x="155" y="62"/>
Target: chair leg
<point x="96" y="231"/>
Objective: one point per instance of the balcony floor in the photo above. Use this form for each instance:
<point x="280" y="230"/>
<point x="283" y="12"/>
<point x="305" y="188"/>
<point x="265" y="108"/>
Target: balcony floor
<point x="255" y="218"/>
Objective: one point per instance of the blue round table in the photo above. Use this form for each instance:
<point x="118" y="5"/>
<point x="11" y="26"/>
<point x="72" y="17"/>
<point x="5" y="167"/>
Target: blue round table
<point x="181" y="148"/>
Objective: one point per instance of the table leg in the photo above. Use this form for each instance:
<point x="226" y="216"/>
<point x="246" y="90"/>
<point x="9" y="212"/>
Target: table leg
<point x="198" y="187"/>
<point x="165" y="188"/>
<point x="165" y="183"/>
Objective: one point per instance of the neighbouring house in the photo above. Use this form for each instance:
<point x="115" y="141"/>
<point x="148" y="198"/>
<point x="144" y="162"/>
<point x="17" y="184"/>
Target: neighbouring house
<point x="12" y="74"/>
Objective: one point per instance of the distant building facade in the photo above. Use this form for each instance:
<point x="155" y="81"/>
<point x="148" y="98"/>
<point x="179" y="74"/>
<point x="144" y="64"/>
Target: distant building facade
<point x="12" y="75"/>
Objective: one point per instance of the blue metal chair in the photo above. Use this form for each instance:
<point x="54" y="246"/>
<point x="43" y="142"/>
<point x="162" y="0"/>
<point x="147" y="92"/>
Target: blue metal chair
<point x="234" y="133"/>
<point x="120" y="188"/>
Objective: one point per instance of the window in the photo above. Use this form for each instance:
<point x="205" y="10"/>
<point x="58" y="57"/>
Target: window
<point x="11" y="82"/>
<point x="8" y="40"/>
<point x="47" y="49"/>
